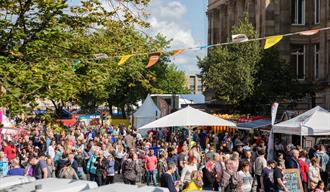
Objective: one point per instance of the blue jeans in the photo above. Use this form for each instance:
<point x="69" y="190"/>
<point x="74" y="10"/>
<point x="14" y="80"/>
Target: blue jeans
<point x="152" y="175"/>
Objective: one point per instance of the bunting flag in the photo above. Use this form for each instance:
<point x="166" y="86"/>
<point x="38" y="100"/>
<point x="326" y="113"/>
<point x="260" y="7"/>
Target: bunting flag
<point x="123" y="59"/>
<point x="239" y="38"/>
<point x="204" y="46"/>
<point x="309" y="32"/>
<point x="153" y="59"/>
<point x="272" y="40"/>
<point x="177" y="52"/>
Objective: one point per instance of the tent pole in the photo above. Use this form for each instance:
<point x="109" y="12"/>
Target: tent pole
<point x="301" y="141"/>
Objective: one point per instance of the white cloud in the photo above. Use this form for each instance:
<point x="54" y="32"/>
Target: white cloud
<point x="166" y="18"/>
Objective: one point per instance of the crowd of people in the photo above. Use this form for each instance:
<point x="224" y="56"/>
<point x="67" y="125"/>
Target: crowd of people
<point x="226" y="162"/>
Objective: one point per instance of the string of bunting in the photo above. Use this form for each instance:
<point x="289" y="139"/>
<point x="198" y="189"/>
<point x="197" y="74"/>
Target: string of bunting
<point x="270" y="41"/>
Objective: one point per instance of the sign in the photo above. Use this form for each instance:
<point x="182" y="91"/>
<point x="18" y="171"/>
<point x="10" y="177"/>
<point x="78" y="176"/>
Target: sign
<point x="292" y="180"/>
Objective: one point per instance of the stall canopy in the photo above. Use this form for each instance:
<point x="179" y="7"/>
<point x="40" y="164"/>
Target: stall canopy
<point x="254" y="124"/>
<point x="147" y="113"/>
<point x="313" y="122"/>
<point x="188" y="117"/>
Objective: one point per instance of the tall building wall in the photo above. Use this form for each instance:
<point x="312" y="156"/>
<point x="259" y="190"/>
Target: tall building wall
<point x="270" y="17"/>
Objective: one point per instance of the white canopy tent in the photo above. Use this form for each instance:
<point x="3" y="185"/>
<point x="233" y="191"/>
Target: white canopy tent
<point x="311" y="123"/>
<point x="188" y="117"/>
<point x="147" y="113"/>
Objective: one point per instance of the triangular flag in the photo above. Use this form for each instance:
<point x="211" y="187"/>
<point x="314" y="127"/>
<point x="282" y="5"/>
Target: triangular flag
<point x="309" y="32"/>
<point x="204" y="47"/>
<point x="123" y="59"/>
<point x="153" y="59"/>
<point x="177" y="52"/>
<point x="272" y="40"/>
<point x="239" y="38"/>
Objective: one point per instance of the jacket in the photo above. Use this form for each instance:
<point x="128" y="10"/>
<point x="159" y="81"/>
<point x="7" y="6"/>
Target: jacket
<point x="130" y="170"/>
<point x="303" y="170"/>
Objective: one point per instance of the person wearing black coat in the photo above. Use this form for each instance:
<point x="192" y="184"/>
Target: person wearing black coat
<point x="209" y="178"/>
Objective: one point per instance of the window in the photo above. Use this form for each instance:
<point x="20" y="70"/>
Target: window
<point x="317" y="11"/>
<point x="192" y="84"/>
<point x="298" y="12"/>
<point x="317" y="61"/>
<point x="298" y="60"/>
<point x="199" y="86"/>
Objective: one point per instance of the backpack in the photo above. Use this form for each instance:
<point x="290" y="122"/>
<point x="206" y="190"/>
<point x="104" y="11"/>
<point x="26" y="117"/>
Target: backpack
<point x="233" y="183"/>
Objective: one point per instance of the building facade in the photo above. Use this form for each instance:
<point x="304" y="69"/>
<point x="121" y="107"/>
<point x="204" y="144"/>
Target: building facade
<point x="309" y="55"/>
<point x="194" y="84"/>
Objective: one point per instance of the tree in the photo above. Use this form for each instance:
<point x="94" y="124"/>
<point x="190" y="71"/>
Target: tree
<point x="272" y="70"/>
<point x="52" y="54"/>
<point x="229" y="70"/>
<point x="39" y="41"/>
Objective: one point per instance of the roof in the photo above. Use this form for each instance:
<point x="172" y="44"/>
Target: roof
<point x="148" y="109"/>
<point x="255" y="124"/>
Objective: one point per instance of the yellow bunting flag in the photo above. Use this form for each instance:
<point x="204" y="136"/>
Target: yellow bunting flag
<point x="272" y="40"/>
<point x="153" y="59"/>
<point x="177" y="52"/>
<point x="123" y="59"/>
<point x="309" y="32"/>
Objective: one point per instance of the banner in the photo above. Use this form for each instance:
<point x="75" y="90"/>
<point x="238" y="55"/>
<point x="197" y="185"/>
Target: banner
<point x="309" y="32"/>
<point x="153" y="59"/>
<point x="123" y="59"/>
<point x="177" y="52"/>
<point x="239" y="38"/>
<point x="270" y="151"/>
<point x="272" y="40"/>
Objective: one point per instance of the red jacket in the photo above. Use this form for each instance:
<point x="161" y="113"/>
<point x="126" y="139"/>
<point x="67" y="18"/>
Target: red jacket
<point x="10" y="152"/>
<point x="303" y="170"/>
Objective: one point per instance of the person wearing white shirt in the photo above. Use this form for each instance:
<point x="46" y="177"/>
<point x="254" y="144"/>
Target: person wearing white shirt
<point x="51" y="149"/>
<point x="246" y="177"/>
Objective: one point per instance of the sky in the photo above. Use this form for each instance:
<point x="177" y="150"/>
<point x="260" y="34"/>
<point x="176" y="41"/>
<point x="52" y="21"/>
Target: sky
<point x="182" y="21"/>
<point x="185" y="22"/>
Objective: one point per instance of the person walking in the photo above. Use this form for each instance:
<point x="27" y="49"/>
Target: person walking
<point x="130" y="169"/>
<point x="259" y="164"/>
<point x="151" y="167"/>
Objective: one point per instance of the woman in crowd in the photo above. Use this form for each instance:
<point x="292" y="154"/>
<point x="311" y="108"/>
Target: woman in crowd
<point x="303" y="169"/>
<point x="130" y="169"/>
<point x="188" y="169"/>
<point x="209" y="176"/>
<point x="196" y="183"/>
<point x="67" y="172"/>
<point x="314" y="173"/>
<point x="246" y="177"/>
<point x="119" y="155"/>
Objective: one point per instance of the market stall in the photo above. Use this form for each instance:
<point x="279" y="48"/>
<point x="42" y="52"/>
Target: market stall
<point x="314" y="122"/>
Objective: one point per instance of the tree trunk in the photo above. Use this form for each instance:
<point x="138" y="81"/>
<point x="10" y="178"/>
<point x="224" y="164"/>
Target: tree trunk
<point x="123" y="111"/>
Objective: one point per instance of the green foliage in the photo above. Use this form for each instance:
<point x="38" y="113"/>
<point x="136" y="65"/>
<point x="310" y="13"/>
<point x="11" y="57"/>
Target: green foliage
<point x="230" y="70"/>
<point x="48" y="51"/>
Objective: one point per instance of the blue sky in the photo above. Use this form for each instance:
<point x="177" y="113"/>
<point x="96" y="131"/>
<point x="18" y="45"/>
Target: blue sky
<point x="183" y="21"/>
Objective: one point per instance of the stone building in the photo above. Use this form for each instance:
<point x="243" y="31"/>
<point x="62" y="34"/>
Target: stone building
<point x="309" y="55"/>
<point x="194" y="84"/>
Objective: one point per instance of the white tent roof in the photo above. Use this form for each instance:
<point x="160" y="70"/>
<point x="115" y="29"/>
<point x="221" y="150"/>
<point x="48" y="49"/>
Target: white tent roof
<point x="148" y="109"/>
<point x="313" y="122"/>
<point x="188" y="117"/>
